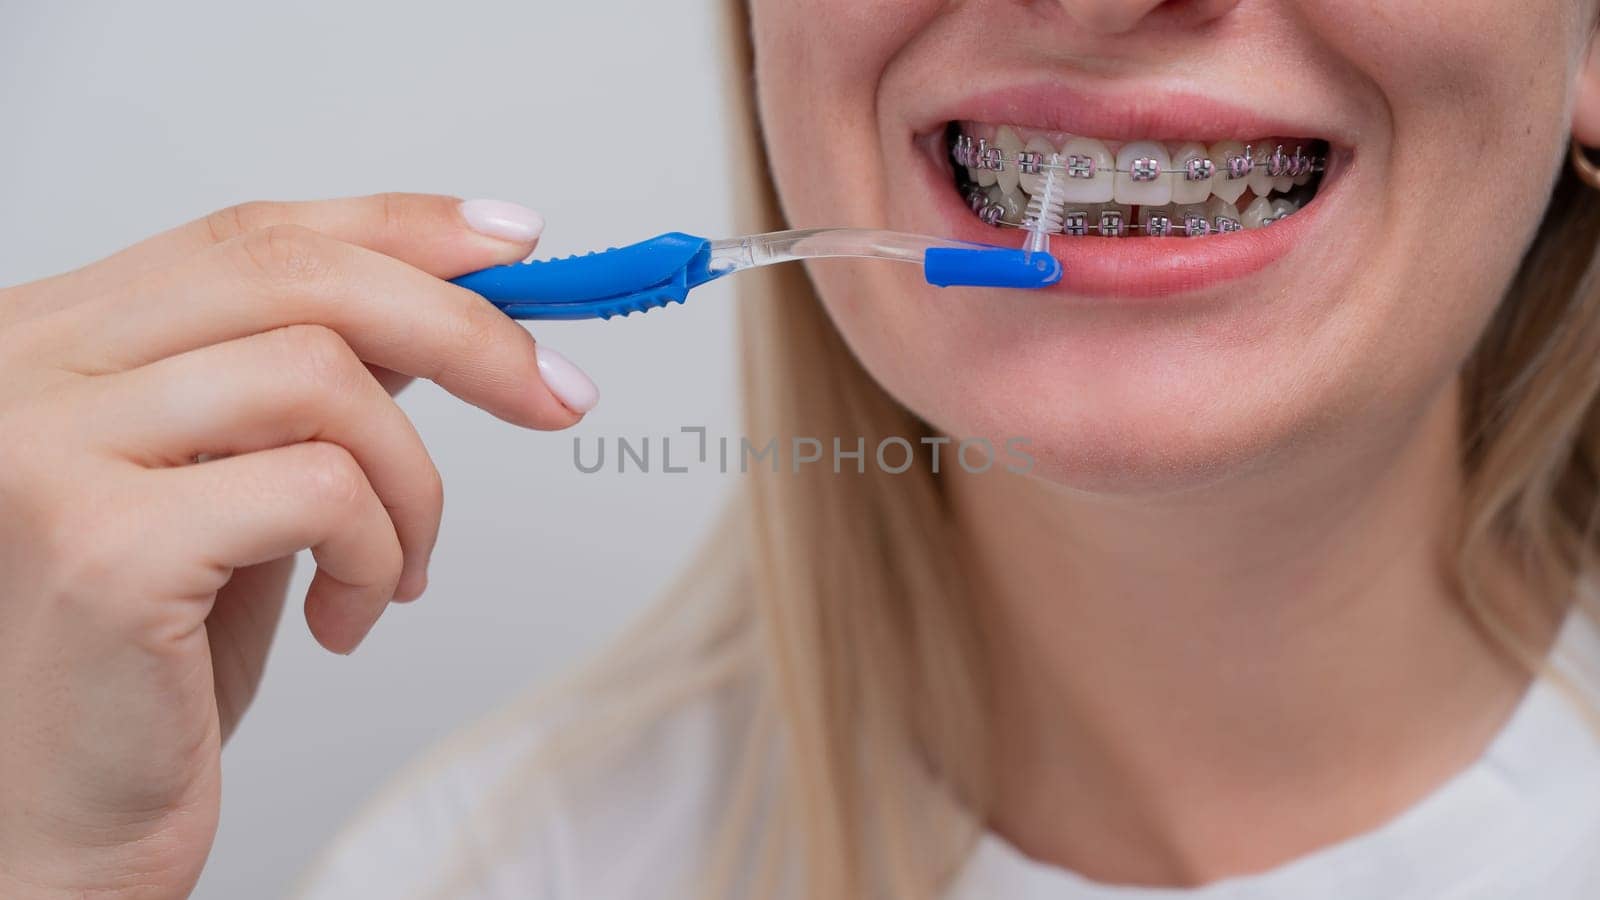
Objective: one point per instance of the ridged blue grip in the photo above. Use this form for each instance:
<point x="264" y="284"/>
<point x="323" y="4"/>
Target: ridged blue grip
<point x="989" y="267"/>
<point x="607" y="283"/>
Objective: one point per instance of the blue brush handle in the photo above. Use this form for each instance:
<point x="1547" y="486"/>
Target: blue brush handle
<point x="602" y="284"/>
<point x="665" y="268"/>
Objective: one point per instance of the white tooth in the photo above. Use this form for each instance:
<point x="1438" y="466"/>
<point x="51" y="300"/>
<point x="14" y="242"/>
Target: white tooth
<point x="1097" y="189"/>
<point x="1260" y="182"/>
<point x="1010" y="145"/>
<point x="982" y="137"/>
<point x="1033" y="182"/>
<point x="985" y="177"/>
<point x="1143" y="193"/>
<point x="1256" y="214"/>
<point x="1167" y="210"/>
<point x="1013" y="203"/>
<point x="1283" y="183"/>
<point x="1218" y="208"/>
<point x="1089" y="211"/>
<point x="1180" y="217"/>
<point x="1228" y="189"/>
<point x="1304" y="178"/>
<point x="1184" y="190"/>
<point x="1101" y="209"/>
<point x="1282" y="207"/>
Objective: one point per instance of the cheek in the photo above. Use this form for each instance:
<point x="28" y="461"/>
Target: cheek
<point x="1464" y="106"/>
<point x="1476" y="97"/>
<point x="818" y="67"/>
<point x="1481" y="81"/>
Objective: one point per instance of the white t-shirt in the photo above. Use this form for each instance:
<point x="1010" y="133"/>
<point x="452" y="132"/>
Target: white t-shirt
<point x="1521" y="821"/>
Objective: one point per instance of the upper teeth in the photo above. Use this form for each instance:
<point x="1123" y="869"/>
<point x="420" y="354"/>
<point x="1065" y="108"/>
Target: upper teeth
<point x="1140" y="173"/>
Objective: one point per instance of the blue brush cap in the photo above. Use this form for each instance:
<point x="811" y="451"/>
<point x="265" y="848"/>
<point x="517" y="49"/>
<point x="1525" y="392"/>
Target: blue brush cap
<point x="989" y="267"/>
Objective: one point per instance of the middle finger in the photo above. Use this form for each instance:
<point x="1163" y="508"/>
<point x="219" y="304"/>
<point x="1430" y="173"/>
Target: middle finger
<point x="391" y="314"/>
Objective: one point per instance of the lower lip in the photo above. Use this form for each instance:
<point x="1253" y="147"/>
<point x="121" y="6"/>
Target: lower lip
<point x="1147" y="268"/>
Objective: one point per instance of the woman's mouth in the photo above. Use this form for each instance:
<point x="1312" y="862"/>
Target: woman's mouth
<point x="1052" y="183"/>
<point x="1140" y="190"/>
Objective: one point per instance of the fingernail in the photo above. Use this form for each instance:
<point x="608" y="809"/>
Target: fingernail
<point x="566" y="381"/>
<point x="499" y="219"/>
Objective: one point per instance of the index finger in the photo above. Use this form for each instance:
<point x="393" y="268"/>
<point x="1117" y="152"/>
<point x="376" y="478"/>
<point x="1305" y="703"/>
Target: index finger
<point x="441" y="235"/>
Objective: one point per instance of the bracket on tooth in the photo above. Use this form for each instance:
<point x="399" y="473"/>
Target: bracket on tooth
<point x="1241" y="166"/>
<point x="1225" y="225"/>
<point x="991" y="158"/>
<point x="1195" y="225"/>
<point x="1144" y="169"/>
<point x="979" y="155"/>
<point x="1278" y="163"/>
<point x="1076" y="224"/>
<point x="963" y="152"/>
<point x="1158" y="226"/>
<point x="1300" y="164"/>
<point x="1112" y="224"/>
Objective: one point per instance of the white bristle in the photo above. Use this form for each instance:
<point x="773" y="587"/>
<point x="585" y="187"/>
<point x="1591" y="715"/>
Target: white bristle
<point x="1047" y="213"/>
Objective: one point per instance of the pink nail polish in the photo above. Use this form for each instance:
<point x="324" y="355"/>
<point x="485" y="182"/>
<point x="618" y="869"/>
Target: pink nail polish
<point x="573" y="388"/>
<point x="506" y="221"/>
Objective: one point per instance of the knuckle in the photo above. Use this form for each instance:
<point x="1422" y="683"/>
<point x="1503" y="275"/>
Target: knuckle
<point x="391" y="211"/>
<point x="400" y="212"/>
<point x="333" y="476"/>
<point x="284" y="253"/>
<point x="318" y="357"/>
<point x="238" y="220"/>
<point x="482" y="331"/>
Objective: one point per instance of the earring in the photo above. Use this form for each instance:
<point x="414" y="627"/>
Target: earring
<point x="1584" y="166"/>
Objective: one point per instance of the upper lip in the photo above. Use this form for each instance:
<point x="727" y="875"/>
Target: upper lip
<point x="1123" y="112"/>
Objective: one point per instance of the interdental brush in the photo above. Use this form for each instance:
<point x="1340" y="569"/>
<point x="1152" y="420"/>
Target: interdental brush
<point x="663" y="269"/>
<point x="1046" y="214"/>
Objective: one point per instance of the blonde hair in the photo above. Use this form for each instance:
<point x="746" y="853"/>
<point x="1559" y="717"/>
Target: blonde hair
<point x="835" y="604"/>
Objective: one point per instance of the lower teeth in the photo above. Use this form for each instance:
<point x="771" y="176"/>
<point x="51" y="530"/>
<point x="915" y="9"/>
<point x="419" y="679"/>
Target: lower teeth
<point x="1215" y="217"/>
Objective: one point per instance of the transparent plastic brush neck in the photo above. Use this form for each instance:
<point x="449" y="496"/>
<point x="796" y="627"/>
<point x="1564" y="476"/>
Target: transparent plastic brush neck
<point x="740" y="253"/>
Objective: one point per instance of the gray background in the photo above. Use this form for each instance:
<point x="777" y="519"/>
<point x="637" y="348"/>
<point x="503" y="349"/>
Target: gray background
<point x="121" y="119"/>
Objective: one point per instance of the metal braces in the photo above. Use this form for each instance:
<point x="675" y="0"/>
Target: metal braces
<point x="1113" y="223"/>
<point x="1278" y="163"/>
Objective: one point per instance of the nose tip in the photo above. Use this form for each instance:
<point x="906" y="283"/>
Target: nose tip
<point x="1115" y="17"/>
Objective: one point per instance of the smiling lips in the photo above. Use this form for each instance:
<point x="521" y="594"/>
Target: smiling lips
<point x="1125" y="162"/>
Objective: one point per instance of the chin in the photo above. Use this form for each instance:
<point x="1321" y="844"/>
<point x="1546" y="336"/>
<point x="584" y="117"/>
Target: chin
<point x="1134" y="438"/>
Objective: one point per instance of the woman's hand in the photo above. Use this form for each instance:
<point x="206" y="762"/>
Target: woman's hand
<point x="139" y="588"/>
